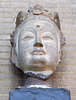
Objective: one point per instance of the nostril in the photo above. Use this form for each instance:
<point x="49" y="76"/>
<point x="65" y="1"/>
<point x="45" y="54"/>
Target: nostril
<point x="38" y="45"/>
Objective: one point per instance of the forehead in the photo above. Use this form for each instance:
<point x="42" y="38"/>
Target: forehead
<point x="42" y="24"/>
<point x="39" y="25"/>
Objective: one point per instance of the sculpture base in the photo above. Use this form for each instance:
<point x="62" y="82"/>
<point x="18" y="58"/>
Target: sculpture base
<point x="40" y="94"/>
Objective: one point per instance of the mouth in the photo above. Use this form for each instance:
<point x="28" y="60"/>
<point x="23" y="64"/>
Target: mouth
<point x="39" y="52"/>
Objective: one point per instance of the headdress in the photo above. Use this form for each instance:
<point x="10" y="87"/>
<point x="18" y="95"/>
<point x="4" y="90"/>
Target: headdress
<point x="37" y="10"/>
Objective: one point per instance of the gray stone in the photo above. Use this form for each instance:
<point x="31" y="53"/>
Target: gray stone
<point x="40" y="94"/>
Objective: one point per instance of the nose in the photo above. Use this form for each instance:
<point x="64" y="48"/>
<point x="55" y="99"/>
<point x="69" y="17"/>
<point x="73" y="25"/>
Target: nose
<point x="38" y="45"/>
<point x="38" y="42"/>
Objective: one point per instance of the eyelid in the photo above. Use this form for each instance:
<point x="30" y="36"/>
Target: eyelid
<point x="47" y="38"/>
<point x="28" y="35"/>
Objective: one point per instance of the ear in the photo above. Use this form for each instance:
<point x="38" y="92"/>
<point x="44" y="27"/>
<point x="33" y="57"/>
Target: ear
<point x="54" y="16"/>
<point x="60" y="56"/>
<point x="62" y="42"/>
<point x="20" y="18"/>
<point x="62" y="39"/>
<point x="13" y="56"/>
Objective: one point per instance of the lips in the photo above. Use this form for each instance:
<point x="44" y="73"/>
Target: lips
<point x="38" y="52"/>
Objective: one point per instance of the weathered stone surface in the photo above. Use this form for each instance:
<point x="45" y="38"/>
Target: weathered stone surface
<point x="63" y="12"/>
<point x="36" y="49"/>
<point x="40" y="94"/>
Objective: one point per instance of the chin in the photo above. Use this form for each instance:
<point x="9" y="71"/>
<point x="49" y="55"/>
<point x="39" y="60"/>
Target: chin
<point x="41" y="75"/>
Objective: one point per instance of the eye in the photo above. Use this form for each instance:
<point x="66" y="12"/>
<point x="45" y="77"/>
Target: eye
<point x="47" y="38"/>
<point x="28" y="36"/>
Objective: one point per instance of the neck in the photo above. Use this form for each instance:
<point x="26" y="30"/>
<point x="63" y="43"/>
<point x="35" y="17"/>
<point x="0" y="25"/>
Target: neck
<point x="34" y="82"/>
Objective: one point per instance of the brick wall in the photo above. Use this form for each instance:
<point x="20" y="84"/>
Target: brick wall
<point x="65" y="76"/>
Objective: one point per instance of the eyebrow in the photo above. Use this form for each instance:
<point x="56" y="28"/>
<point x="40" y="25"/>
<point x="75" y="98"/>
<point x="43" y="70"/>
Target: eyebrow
<point x="28" y="29"/>
<point x="44" y="30"/>
<point x="49" y="30"/>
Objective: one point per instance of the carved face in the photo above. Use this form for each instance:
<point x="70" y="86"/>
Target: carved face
<point x="38" y="48"/>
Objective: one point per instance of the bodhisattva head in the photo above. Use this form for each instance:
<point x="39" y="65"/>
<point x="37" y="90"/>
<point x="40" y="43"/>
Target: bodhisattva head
<point x="36" y="42"/>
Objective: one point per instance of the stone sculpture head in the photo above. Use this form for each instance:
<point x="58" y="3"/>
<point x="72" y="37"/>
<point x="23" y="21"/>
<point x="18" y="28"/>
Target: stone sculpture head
<point x="36" y="42"/>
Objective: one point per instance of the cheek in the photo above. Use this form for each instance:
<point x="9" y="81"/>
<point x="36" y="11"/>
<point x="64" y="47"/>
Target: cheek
<point x="51" y="47"/>
<point x="25" y="47"/>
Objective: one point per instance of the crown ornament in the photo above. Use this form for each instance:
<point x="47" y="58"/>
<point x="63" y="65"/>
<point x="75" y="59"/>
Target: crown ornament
<point x="37" y="10"/>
